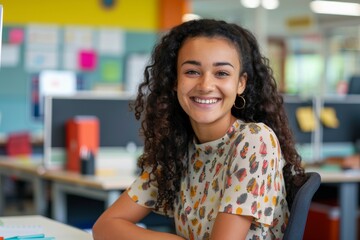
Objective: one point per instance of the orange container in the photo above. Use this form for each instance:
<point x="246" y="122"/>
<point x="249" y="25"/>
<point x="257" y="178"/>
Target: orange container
<point x="82" y="132"/>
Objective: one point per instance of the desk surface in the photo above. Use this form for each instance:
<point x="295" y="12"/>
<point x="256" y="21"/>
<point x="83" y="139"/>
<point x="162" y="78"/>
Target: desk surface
<point x="124" y="180"/>
<point x="50" y="227"/>
<point x="26" y="165"/>
<point x="121" y="181"/>
<point x="336" y="176"/>
<point x="110" y="182"/>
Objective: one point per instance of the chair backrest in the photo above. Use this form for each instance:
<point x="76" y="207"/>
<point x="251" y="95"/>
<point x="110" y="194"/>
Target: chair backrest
<point x="354" y="85"/>
<point x="300" y="207"/>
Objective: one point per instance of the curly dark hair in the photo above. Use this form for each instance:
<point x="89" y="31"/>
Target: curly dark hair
<point x="166" y="127"/>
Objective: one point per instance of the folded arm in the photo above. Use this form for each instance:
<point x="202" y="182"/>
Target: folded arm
<point x="119" y="222"/>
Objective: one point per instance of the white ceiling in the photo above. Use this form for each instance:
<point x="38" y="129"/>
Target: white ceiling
<point x="274" y="21"/>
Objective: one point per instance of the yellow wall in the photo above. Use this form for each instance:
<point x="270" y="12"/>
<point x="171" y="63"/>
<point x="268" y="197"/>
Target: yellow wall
<point x="128" y="14"/>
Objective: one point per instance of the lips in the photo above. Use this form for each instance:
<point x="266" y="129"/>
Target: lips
<point x="205" y="101"/>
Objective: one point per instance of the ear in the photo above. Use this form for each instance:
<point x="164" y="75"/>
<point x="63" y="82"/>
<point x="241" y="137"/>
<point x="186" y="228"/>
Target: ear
<point x="242" y="83"/>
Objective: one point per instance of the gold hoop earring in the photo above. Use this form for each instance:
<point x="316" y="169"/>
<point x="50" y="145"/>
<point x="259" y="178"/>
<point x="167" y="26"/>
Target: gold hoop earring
<point x="243" y="99"/>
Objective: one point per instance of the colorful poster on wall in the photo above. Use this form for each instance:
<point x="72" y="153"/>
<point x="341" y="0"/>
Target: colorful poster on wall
<point x="42" y="43"/>
<point x="87" y="60"/>
<point x="70" y="61"/>
<point x="79" y="37"/>
<point x="37" y="59"/>
<point x="75" y="40"/>
<point x="135" y="66"/>
<point x="111" y="71"/>
<point x="42" y="36"/>
<point x="10" y="56"/>
<point x="16" y="36"/>
<point x="111" y="42"/>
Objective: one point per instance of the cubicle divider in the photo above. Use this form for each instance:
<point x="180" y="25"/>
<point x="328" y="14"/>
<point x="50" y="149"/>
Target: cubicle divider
<point x="343" y="138"/>
<point x="336" y="127"/>
<point x="119" y="132"/>
<point x="305" y="140"/>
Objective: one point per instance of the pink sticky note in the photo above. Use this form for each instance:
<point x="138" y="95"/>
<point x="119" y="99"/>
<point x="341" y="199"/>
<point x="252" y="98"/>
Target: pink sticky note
<point x="87" y="60"/>
<point x="16" y="36"/>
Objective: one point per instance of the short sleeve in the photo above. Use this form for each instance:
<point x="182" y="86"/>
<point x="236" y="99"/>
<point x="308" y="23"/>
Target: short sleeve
<point x="144" y="191"/>
<point x="254" y="181"/>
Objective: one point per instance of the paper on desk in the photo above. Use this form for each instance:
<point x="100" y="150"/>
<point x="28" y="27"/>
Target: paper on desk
<point x="306" y="119"/>
<point x="328" y="117"/>
<point x="19" y="230"/>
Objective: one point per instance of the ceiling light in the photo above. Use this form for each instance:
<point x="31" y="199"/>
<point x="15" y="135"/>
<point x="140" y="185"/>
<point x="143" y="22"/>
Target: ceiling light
<point x="270" y="4"/>
<point x="190" y="16"/>
<point x="250" y="3"/>
<point x="337" y="8"/>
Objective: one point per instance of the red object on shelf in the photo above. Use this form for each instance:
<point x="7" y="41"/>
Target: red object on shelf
<point x="18" y="144"/>
<point x="82" y="132"/>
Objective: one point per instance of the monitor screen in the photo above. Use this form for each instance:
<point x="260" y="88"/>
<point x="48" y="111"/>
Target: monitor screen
<point x="291" y="104"/>
<point x="347" y="111"/>
<point x="117" y="124"/>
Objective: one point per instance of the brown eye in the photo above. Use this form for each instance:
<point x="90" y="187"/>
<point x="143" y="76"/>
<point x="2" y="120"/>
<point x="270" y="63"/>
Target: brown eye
<point x="222" y="74"/>
<point x="191" y="73"/>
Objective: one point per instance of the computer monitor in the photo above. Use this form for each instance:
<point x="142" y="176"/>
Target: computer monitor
<point x="292" y="104"/>
<point x="119" y="130"/>
<point x="347" y="111"/>
<point x="303" y="140"/>
<point x="342" y="140"/>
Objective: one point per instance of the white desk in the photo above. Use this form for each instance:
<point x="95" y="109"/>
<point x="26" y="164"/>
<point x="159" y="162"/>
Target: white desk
<point x="50" y="227"/>
<point x="106" y="188"/>
<point x="348" y="182"/>
<point x="24" y="169"/>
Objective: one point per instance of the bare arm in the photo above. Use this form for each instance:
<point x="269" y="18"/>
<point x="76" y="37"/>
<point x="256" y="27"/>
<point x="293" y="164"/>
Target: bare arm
<point x="119" y="222"/>
<point x="230" y="227"/>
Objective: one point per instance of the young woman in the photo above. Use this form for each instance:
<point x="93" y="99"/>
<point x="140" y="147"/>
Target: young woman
<point x="219" y="156"/>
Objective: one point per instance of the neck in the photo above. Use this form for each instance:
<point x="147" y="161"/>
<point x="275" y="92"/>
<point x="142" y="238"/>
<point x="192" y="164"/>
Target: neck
<point x="212" y="131"/>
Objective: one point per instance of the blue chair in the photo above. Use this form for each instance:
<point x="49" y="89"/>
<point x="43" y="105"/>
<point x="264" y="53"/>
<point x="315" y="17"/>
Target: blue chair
<point x="300" y="207"/>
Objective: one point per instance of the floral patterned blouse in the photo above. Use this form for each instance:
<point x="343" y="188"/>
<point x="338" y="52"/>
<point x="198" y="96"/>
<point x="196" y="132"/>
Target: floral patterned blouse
<point x="241" y="173"/>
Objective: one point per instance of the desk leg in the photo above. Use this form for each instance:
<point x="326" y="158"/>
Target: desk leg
<point x="40" y="196"/>
<point x="348" y="210"/>
<point x="59" y="203"/>
<point x="2" y="194"/>
<point x="112" y="196"/>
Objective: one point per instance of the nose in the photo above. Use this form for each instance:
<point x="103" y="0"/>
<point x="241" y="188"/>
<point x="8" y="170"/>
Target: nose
<point x="206" y="82"/>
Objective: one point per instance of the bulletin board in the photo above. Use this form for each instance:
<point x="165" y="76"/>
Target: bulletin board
<point x="98" y="56"/>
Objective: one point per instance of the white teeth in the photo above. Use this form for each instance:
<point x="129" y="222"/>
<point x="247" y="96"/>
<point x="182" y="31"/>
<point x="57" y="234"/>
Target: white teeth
<point x="205" y="101"/>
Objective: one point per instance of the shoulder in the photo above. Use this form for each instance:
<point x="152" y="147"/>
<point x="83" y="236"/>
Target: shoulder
<point x="255" y="127"/>
<point x="257" y="131"/>
<point x="257" y="140"/>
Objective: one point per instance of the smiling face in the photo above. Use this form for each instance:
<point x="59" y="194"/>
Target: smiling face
<point x="208" y="80"/>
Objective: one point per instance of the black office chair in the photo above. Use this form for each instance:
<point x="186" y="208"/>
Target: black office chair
<point x="300" y="207"/>
<point x="354" y="85"/>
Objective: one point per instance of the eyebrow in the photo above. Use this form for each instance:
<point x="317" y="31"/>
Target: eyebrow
<point x="193" y="62"/>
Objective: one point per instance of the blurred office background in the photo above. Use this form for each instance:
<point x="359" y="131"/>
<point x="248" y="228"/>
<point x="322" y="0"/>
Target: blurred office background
<point x="103" y="45"/>
<point x="106" y="43"/>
